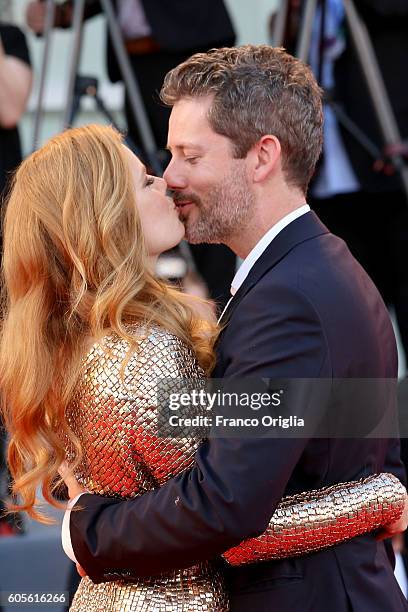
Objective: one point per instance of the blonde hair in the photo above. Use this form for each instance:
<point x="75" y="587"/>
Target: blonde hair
<point x="74" y="268"/>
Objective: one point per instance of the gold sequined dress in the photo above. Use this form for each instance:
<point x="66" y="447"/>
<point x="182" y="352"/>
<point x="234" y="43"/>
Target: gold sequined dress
<point x="114" y="414"/>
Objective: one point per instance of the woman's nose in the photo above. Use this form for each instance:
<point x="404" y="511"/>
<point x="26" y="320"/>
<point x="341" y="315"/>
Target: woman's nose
<point x="161" y="184"/>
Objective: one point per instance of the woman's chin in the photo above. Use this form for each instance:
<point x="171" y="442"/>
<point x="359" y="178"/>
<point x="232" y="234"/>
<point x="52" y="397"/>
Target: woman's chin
<point x="182" y="232"/>
<point x="177" y="237"/>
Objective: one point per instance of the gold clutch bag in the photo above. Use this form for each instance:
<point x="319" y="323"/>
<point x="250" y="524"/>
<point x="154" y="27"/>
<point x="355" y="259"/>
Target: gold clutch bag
<point x="324" y="517"/>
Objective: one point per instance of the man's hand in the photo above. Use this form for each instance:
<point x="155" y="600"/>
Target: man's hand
<point x="35" y="16"/>
<point x="74" y="488"/>
<point x="81" y="571"/>
<point x="399" y="526"/>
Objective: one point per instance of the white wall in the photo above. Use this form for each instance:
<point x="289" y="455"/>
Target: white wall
<point x="251" y="19"/>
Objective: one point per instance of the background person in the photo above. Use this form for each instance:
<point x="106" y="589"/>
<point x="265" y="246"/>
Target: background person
<point x="350" y="192"/>
<point x="15" y="87"/>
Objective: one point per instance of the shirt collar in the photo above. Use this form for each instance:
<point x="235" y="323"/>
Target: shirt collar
<point x="263" y="243"/>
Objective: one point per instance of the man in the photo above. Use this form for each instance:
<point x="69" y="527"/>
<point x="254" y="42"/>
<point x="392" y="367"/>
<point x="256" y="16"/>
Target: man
<point x="245" y="133"/>
<point x="158" y="36"/>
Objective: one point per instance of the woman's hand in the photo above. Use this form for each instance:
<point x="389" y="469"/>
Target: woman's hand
<point x="73" y="486"/>
<point x="397" y="527"/>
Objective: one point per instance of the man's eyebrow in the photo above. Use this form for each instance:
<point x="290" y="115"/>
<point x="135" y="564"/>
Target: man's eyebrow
<point x="185" y="145"/>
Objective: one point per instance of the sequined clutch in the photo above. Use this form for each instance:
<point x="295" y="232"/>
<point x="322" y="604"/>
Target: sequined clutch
<point x="324" y="517"/>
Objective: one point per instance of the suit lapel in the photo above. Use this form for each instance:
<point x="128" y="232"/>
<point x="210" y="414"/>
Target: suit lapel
<point x="304" y="228"/>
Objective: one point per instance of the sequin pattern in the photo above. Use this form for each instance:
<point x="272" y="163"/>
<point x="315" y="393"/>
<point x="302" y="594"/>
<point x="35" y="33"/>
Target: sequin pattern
<point x="317" y="519"/>
<point x="115" y="418"/>
<point x="114" y="414"/>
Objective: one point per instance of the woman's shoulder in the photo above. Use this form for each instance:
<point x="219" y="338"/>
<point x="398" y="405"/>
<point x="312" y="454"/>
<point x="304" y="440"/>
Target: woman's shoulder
<point x="143" y="338"/>
<point x="150" y="349"/>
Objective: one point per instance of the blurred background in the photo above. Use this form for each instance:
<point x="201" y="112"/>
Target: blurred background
<point x="251" y="22"/>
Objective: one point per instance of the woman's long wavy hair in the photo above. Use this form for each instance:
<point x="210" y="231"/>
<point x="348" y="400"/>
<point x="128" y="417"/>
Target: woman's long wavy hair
<point x="74" y="268"/>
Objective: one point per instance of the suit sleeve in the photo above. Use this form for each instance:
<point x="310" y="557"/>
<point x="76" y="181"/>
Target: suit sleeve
<point x="393" y="462"/>
<point x="233" y="488"/>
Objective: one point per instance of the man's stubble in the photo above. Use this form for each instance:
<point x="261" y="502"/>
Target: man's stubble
<point x="224" y="212"/>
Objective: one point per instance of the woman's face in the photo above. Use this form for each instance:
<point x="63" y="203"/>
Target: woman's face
<point x="161" y="226"/>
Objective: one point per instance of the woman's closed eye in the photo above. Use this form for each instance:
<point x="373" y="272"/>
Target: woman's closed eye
<point x="149" y="181"/>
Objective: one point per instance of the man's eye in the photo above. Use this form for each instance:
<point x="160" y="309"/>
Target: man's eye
<point x="149" y="181"/>
<point x="192" y="160"/>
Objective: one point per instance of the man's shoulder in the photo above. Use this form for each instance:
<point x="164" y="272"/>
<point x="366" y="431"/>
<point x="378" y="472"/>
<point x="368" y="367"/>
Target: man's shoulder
<point x="318" y="261"/>
<point x="323" y="262"/>
<point x="318" y="278"/>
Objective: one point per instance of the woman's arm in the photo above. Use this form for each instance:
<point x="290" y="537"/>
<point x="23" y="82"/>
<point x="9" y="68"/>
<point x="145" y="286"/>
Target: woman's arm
<point x="15" y="87"/>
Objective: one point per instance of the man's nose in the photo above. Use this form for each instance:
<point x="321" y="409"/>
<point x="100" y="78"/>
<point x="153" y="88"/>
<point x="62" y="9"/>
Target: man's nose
<point x="174" y="178"/>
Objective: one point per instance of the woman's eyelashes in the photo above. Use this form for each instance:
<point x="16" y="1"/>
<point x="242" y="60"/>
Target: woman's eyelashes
<point x="149" y="181"/>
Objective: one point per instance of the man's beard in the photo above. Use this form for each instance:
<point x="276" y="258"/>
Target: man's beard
<point x="222" y="213"/>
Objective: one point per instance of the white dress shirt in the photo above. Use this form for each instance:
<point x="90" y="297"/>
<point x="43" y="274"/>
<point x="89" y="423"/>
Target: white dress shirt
<point x="65" y="533"/>
<point x="239" y="278"/>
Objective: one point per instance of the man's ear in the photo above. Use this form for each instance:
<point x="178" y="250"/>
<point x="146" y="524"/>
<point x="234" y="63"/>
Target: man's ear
<point x="267" y="157"/>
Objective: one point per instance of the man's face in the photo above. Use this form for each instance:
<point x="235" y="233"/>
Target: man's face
<point x="212" y="190"/>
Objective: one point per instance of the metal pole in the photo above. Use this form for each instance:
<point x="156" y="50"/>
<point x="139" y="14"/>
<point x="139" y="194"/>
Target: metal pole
<point x="132" y="88"/>
<point x="77" y="23"/>
<point x="375" y="83"/>
<point x="309" y="11"/>
<point x="49" y="23"/>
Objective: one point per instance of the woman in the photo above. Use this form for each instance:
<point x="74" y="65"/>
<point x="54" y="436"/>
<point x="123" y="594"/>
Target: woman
<point x="83" y="229"/>
<point x="87" y="332"/>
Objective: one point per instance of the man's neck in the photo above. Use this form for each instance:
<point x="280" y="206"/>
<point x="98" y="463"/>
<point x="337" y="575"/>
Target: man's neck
<point x="265" y="216"/>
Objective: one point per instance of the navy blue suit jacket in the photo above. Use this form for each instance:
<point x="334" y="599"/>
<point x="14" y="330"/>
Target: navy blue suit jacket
<point x="307" y="309"/>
